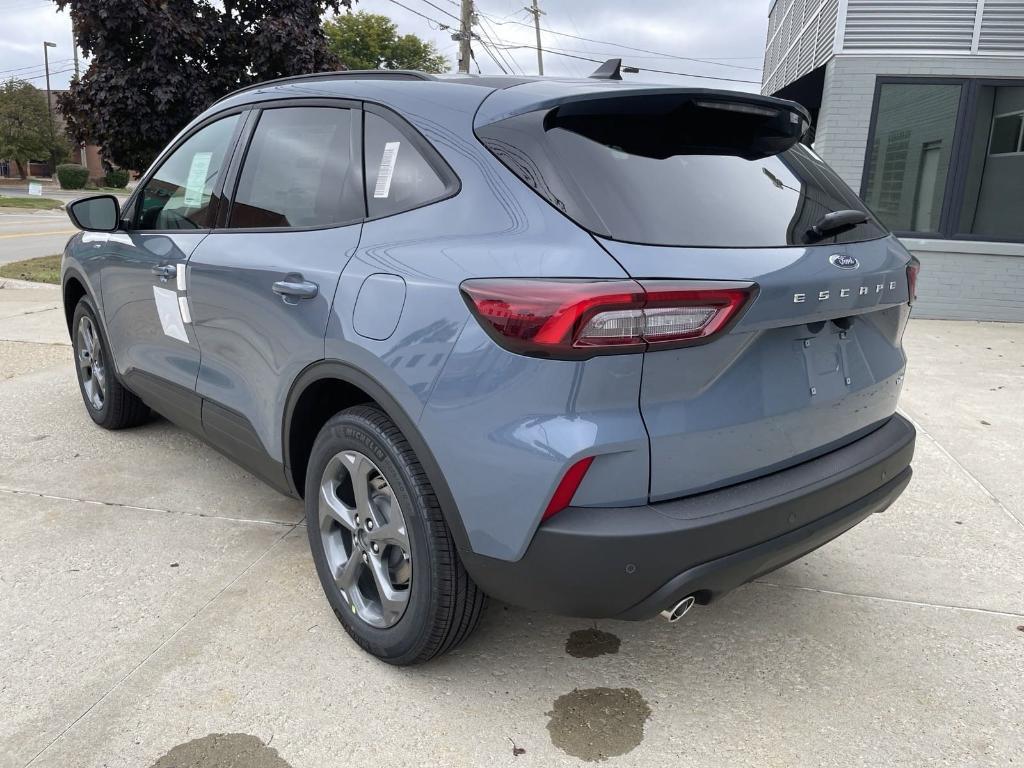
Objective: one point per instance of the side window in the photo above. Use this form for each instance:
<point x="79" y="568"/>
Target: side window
<point x="398" y="177"/>
<point x="299" y="171"/>
<point x="180" y="194"/>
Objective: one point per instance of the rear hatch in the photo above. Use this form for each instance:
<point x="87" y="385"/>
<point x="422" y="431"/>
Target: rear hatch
<point x="709" y="185"/>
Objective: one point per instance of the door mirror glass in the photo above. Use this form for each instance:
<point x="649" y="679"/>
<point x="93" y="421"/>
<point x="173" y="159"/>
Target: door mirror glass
<point x="101" y="213"/>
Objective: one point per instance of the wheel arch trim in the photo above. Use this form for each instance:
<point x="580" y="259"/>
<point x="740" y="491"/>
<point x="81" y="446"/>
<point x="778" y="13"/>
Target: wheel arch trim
<point x="74" y="273"/>
<point x="349" y="374"/>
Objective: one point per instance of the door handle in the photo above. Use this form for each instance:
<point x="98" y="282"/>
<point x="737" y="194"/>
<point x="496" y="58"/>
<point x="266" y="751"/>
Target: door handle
<point x="165" y="271"/>
<point x="296" y="288"/>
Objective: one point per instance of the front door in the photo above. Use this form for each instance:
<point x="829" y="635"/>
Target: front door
<point x="260" y="288"/>
<point x="145" y="311"/>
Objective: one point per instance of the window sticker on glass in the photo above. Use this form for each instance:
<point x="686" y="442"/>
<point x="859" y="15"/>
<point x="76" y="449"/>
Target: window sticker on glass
<point x="387" y="169"/>
<point x="197" y="179"/>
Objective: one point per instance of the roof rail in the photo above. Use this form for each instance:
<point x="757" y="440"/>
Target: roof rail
<point x="357" y="74"/>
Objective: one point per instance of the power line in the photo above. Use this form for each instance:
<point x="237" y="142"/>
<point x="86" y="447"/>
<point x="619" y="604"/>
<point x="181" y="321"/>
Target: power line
<point x="439" y="8"/>
<point x="39" y="67"/>
<point x="491" y="36"/>
<point x="58" y="72"/>
<point x="624" y="47"/>
<point x="504" y="55"/>
<point x="610" y="54"/>
<point x="487" y="50"/>
<point x="441" y="24"/>
<point x="642" y="69"/>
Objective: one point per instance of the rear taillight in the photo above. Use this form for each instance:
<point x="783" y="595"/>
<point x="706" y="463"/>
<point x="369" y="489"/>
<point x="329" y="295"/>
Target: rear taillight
<point x="574" y="319"/>
<point x="913" y="270"/>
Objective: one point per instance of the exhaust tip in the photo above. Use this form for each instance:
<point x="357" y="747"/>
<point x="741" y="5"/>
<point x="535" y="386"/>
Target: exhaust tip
<point x="677" y="611"/>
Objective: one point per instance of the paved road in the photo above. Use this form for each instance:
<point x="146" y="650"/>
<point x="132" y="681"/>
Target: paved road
<point x="25" y="235"/>
<point x="154" y="597"/>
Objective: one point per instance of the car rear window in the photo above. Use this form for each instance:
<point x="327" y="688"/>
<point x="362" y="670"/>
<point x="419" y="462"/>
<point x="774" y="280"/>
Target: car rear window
<point x="678" y="170"/>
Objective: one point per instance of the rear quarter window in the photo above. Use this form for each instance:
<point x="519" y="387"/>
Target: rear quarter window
<point x="401" y="173"/>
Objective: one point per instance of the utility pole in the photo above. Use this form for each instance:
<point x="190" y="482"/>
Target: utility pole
<point x="465" y="36"/>
<point x="49" y="106"/>
<point x="537" y="13"/>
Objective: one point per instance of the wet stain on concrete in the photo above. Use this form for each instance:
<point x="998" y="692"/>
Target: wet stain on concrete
<point x="595" y="724"/>
<point x="589" y="643"/>
<point x="222" y="750"/>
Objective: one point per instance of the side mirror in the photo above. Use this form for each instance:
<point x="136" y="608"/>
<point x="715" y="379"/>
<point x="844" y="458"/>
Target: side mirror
<point x="101" y="213"/>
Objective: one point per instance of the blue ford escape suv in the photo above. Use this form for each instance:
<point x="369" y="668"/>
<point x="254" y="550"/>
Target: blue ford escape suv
<point x="586" y="346"/>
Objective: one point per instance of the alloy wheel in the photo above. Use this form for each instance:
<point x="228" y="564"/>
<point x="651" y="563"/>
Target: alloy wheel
<point x="92" y="363"/>
<point x="365" y="539"/>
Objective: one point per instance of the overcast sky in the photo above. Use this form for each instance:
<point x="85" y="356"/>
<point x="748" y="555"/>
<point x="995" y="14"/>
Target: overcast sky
<point x="730" y="34"/>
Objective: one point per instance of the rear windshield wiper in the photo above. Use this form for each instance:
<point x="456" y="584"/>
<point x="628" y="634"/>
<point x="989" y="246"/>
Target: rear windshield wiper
<point x="834" y="223"/>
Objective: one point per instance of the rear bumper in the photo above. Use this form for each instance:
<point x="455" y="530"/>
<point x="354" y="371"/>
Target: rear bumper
<point x="632" y="562"/>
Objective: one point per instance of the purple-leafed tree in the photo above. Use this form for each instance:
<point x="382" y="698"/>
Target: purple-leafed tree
<point x="155" y="64"/>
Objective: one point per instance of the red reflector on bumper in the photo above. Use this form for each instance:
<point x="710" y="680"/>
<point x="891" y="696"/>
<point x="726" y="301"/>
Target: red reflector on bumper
<point x="567" y="488"/>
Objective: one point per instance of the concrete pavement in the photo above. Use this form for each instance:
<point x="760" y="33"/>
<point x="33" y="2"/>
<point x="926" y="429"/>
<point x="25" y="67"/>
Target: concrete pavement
<point x="154" y="597"/>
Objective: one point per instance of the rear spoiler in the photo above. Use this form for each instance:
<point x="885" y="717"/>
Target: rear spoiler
<point x="549" y="94"/>
<point x="661" y="122"/>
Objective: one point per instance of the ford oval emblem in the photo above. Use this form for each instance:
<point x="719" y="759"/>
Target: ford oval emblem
<point x="843" y="261"/>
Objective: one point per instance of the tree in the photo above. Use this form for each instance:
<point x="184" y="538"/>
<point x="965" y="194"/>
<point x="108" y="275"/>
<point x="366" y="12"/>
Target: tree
<point x="155" y="65"/>
<point x="371" y="41"/>
<point x="25" y="130"/>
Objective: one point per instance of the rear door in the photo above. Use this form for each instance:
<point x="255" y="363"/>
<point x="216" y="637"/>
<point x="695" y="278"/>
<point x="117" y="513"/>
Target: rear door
<point x="714" y="186"/>
<point x="146" y="318"/>
<point x="260" y="287"/>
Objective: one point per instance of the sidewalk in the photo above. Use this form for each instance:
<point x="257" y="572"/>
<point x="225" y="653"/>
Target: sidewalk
<point x="154" y="595"/>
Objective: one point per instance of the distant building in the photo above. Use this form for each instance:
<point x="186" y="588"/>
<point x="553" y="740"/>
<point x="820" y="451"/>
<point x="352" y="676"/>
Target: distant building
<point x="40" y="166"/>
<point x="919" y="105"/>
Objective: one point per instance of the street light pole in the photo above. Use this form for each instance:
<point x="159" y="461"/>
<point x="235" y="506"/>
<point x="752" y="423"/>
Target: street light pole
<point x="49" y="105"/>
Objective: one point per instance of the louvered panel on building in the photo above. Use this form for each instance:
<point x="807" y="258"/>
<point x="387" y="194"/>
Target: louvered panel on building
<point x="1002" y="27"/>
<point x="826" y="31"/>
<point x="797" y="14"/>
<point x="787" y="34"/>
<point x="807" y="43"/>
<point x="810" y="9"/>
<point x="946" y="25"/>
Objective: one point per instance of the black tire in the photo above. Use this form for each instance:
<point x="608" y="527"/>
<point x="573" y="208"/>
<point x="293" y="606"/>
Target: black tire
<point x="117" y="408"/>
<point x="443" y="604"/>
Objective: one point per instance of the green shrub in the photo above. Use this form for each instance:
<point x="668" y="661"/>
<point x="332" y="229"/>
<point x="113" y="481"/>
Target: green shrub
<point x="116" y="178"/>
<point x="72" y="176"/>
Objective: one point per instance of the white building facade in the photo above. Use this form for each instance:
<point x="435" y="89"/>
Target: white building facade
<point x="919" y="106"/>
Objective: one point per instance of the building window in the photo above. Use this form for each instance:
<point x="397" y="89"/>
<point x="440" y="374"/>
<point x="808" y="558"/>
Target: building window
<point x="915" y="124"/>
<point x="946" y="158"/>
<point x="994" y="174"/>
<point x="1006" y="134"/>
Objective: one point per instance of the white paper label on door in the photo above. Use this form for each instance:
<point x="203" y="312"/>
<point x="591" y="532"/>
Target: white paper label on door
<point x="196" y="182"/>
<point x="180" y="276"/>
<point x="387" y="169"/>
<point x="169" y="311"/>
<point x="186" y="316"/>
